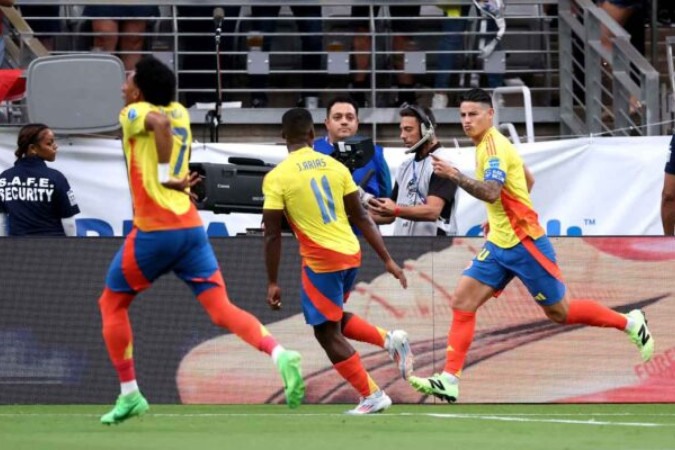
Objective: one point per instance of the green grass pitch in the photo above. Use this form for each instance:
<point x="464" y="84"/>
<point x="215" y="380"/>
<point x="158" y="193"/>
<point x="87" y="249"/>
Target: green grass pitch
<point x="325" y="427"/>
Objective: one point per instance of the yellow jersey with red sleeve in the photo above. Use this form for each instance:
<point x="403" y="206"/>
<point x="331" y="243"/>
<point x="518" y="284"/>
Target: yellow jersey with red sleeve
<point x="156" y="207"/>
<point x="512" y="217"/>
<point x="309" y="186"/>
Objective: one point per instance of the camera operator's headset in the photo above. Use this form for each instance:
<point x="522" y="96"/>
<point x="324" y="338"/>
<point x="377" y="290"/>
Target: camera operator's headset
<point x="426" y="125"/>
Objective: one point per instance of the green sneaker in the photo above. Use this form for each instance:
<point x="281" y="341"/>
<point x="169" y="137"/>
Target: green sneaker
<point x="127" y="406"/>
<point x="640" y="334"/>
<point x="289" y="367"/>
<point x="437" y="386"/>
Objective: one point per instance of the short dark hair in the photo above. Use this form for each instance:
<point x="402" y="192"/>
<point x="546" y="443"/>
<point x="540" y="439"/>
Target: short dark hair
<point x="296" y="125"/>
<point x="155" y="80"/>
<point x="415" y="110"/>
<point x="342" y="99"/>
<point x="476" y="95"/>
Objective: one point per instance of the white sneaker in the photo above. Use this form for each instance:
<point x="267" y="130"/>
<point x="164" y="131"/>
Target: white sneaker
<point x="439" y="101"/>
<point x="398" y="347"/>
<point x="374" y="403"/>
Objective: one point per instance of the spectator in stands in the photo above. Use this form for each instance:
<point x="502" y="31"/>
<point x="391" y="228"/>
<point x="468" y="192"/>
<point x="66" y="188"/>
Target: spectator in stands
<point x="668" y="194"/>
<point x="36" y="200"/>
<point x="450" y="44"/>
<point x="492" y="11"/>
<point x="196" y="41"/>
<point x="401" y="42"/>
<point x="342" y="122"/>
<point x="48" y="24"/>
<point x="120" y="28"/>
<point x="308" y="20"/>
<point x="422" y="203"/>
<point x="3" y="25"/>
<point x="630" y="15"/>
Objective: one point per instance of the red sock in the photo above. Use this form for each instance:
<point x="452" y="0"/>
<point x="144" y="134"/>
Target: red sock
<point x="353" y="371"/>
<point x="460" y="337"/>
<point x="359" y="330"/>
<point x="117" y="333"/>
<point x="590" y="312"/>
<point x="242" y="323"/>
<point x="125" y="370"/>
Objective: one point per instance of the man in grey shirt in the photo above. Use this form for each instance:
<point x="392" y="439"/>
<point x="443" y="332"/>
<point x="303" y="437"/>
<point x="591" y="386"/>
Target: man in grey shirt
<point x="421" y="203"/>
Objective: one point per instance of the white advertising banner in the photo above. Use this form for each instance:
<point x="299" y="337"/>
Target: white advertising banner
<point x="586" y="186"/>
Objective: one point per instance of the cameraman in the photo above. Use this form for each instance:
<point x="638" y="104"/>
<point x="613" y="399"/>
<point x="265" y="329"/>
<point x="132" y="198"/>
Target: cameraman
<point x="342" y="122"/>
<point x="422" y="203"/>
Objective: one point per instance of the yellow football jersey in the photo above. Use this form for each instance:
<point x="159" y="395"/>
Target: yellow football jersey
<point x="310" y="187"/>
<point x="157" y="207"/>
<point x="512" y="216"/>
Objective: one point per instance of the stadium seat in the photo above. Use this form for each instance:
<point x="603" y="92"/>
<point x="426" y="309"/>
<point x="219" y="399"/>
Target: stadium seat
<point x="88" y="84"/>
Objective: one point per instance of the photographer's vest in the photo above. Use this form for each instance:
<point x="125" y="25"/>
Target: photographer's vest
<point x="413" y="178"/>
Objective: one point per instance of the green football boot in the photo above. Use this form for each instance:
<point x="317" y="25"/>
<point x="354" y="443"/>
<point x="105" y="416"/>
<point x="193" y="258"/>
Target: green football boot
<point x="639" y="334"/>
<point x="438" y="386"/>
<point x="126" y="407"/>
<point x="294" y="386"/>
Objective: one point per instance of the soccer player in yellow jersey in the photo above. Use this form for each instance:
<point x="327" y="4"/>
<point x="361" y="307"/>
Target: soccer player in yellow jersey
<point x="319" y="198"/>
<point x="516" y="247"/>
<point x="168" y="236"/>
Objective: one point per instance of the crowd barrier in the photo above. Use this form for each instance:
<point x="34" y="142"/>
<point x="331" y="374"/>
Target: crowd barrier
<point x="586" y="186"/>
<point x="51" y="349"/>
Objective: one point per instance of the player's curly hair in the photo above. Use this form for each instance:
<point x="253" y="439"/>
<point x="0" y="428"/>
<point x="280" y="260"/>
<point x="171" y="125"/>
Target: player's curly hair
<point x="28" y="135"/>
<point x="476" y="95"/>
<point x="155" y="80"/>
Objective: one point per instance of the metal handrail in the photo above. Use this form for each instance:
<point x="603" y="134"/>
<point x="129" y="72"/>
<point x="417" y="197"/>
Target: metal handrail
<point x="374" y="72"/>
<point x="612" y="83"/>
<point x="497" y="96"/>
<point x="619" y="92"/>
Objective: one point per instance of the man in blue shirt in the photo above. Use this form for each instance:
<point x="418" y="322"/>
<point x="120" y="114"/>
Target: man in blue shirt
<point x="342" y="122"/>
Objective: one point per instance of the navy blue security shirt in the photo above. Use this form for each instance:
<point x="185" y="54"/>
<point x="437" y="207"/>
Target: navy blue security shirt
<point x="379" y="184"/>
<point x="35" y="198"/>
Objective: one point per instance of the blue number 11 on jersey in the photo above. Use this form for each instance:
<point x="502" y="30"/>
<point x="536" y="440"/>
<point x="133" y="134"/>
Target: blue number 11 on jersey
<point x="324" y="199"/>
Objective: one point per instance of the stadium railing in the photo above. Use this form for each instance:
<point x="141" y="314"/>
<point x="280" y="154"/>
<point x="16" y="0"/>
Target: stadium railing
<point x="603" y="91"/>
<point x="533" y="37"/>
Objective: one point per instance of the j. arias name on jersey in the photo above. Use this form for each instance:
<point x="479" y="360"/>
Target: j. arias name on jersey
<point x="29" y="190"/>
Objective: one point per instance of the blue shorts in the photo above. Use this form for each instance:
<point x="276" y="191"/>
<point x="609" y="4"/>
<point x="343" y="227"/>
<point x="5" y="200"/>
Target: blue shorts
<point x="533" y="263"/>
<point x="324" y="294"/>
<point x="145" y="256"/>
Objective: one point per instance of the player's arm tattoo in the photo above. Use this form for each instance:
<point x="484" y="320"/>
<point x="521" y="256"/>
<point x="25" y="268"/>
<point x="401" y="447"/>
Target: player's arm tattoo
<point x="488" y="191"/>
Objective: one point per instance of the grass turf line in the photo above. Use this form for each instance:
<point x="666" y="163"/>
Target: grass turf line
<point x="324" y="427"/>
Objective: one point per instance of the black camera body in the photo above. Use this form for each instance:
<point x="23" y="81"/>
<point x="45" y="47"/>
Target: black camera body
<point x="354" y="152"/>
<point x="234" y="187"/>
